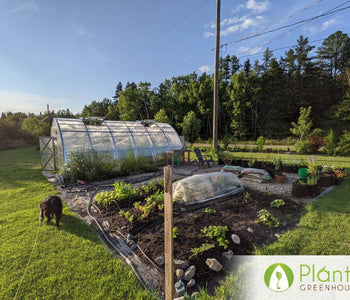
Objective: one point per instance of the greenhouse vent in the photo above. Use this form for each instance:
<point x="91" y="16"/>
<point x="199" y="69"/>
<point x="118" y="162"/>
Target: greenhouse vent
<point x="118" y="138"/>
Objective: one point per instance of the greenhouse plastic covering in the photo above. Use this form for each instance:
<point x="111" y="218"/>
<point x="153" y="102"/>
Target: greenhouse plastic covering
<point x="204" y="187"/>
<point x="118" y="138"/>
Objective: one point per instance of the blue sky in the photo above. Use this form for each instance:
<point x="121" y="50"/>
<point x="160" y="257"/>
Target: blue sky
<point x="70" y="52"/>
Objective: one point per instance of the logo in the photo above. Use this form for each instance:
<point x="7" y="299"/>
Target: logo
<point x="278" y="277"/>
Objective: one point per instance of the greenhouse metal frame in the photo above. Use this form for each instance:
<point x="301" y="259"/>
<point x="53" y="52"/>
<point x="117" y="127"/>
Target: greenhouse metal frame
<point x="117" y="138"/>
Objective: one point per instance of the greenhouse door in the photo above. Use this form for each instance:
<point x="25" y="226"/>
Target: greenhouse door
<point x="47" y="153"/>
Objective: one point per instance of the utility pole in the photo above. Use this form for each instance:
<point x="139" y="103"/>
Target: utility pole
<point x="216" y="79"/>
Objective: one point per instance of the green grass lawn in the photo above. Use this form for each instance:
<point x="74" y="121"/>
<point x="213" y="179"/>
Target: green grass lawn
<point x="69" y="262"/>
<point x="324" y="228"/>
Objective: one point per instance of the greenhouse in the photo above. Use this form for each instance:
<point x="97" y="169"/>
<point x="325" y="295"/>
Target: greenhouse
<point x="117" y="138"/>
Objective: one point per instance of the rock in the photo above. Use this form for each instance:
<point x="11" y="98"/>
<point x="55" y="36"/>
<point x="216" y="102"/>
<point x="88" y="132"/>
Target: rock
<point x="235" y="238"/>
<point x="160" y="260"/>
<point x="251" y="230"/>
<point x="213" y="264"/>
<point x="179" y="272"/>
<point x="180" y="298"/>
<point x="277" y="235"/>
<point x="130" y="237"/>
<point x="123" y="227"/>
<point x="284" y="224"/>
<point x="179" y="288"/>
<point x="194" y="295"/>
<point x="180" y="264"/>
<point x="191" y="283"/>
<point x="228" y="255"/>
<point x="189" y="273"/>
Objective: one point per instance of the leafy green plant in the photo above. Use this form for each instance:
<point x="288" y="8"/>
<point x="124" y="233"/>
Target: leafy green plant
<point x="267" y="218"/>
<point x="312" y="179"/>
<point x="152" y="203"/>
<point x="204" y="247"/>
<point x="216" y="232"/>
<point x="127" y="214"/>
<point x="121" y="192"/>
<point x="175" y="232"/>
<point x="277" y="203"/>
<point x="277" y="162"/>
<point x="247" y="196"/>
<point x="210" y="211"/>
<point x="260" y="143"/>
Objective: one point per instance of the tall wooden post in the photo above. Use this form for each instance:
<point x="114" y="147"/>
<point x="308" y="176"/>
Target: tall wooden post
<point x="216" y="78"/>
<point x="168" y="233"/>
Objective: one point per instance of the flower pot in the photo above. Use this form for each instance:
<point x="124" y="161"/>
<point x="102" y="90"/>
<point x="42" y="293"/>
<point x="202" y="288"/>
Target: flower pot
<point x="299" y="190"/>
<point x="313" y="190"/>
<point x="280" y="178"/>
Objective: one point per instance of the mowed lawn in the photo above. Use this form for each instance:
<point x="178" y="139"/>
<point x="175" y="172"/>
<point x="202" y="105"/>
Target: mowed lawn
<point x="69" y="262"/>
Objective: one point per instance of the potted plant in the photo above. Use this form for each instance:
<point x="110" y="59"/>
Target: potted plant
<point x="312" y="184"/>
<point x="279" y="176"/>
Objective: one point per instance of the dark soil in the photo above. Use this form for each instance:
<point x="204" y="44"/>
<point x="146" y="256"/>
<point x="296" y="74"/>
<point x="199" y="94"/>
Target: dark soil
<point x="238" y="213"/>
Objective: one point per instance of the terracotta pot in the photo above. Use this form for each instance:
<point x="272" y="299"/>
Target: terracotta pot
<point x="280" y="178"/>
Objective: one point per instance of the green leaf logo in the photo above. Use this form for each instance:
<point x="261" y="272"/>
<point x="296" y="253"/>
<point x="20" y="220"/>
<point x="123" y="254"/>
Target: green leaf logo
<point x="278" y="277"/>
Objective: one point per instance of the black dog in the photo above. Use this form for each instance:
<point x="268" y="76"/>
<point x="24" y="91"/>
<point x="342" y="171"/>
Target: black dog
<point x="51" y="205"/>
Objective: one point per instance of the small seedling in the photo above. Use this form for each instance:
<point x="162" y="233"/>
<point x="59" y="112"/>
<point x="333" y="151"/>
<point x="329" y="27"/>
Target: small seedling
<point x="247" y="196"/>
<point x="202" y="248"/>
<point x="267" y="218"/>
<point x="175" y="232"/>
<point x="269" y="193"/>
<point x="210" y="211"/>
<point x="277" y="203"/>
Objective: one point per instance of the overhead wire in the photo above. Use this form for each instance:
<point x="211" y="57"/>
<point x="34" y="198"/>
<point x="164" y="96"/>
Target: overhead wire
<point x="300" y="23"/>
<point x="330" y="12"/>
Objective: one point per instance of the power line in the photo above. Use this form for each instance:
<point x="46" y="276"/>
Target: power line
<point x="330" y="12"/>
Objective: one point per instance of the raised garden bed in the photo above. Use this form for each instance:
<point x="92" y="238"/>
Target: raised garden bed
<point x="239" y="213"/>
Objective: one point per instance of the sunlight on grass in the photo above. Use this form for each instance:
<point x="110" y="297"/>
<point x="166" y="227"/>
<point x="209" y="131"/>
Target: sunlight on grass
<point x="69" y="262"/>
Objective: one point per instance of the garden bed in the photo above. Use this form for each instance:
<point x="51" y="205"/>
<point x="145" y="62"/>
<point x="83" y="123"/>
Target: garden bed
<point x="238" y="213"/>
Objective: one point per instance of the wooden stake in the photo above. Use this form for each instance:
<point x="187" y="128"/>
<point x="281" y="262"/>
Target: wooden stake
<point x="168" y="233"/>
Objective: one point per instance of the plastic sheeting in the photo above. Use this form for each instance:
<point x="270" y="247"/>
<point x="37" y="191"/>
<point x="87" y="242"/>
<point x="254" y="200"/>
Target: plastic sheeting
<point x="253" y="174"/>
<point x="201" y="188"/>
<point x="118" y="138"/>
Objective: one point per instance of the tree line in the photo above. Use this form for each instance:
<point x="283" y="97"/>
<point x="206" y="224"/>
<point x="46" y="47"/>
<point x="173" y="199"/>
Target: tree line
<point x="260" y="98"/>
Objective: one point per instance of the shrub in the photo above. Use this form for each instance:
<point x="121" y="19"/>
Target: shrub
<point x="344" y="143"/>
<point x="260" y="143"/>
<point x="330" y="143"/>
<point x="302" y="147"/>
<point x="90" y="165"/>
<point x="316" y="142"/>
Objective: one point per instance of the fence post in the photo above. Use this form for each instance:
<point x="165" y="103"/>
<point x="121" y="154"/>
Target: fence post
<point x="168" y="233"/>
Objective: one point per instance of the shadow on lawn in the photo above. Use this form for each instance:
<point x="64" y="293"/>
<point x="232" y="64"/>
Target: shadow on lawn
<point x="76" y="226"/>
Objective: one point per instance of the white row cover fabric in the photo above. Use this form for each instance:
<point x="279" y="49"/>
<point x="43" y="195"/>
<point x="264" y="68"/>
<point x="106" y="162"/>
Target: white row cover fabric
<point x="118" y="138"/>
<point x="204" y="187"/>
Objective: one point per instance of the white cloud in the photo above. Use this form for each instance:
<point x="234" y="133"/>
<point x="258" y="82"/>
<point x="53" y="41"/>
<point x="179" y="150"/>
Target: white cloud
<point x="208" y="34"/>
<point x="257" y="7"/>
<point x="25" y="6"/>
<point x="247" y="50"/>
<point x="205" y="68"/>
<point x="15" y="101"/>
<point x="238" y="8"/>
<point x="245" y="24"/>
<point x="328" y="24"/>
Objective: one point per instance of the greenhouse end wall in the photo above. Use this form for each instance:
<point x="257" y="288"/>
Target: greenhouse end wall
<point x="117" y="138"/>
